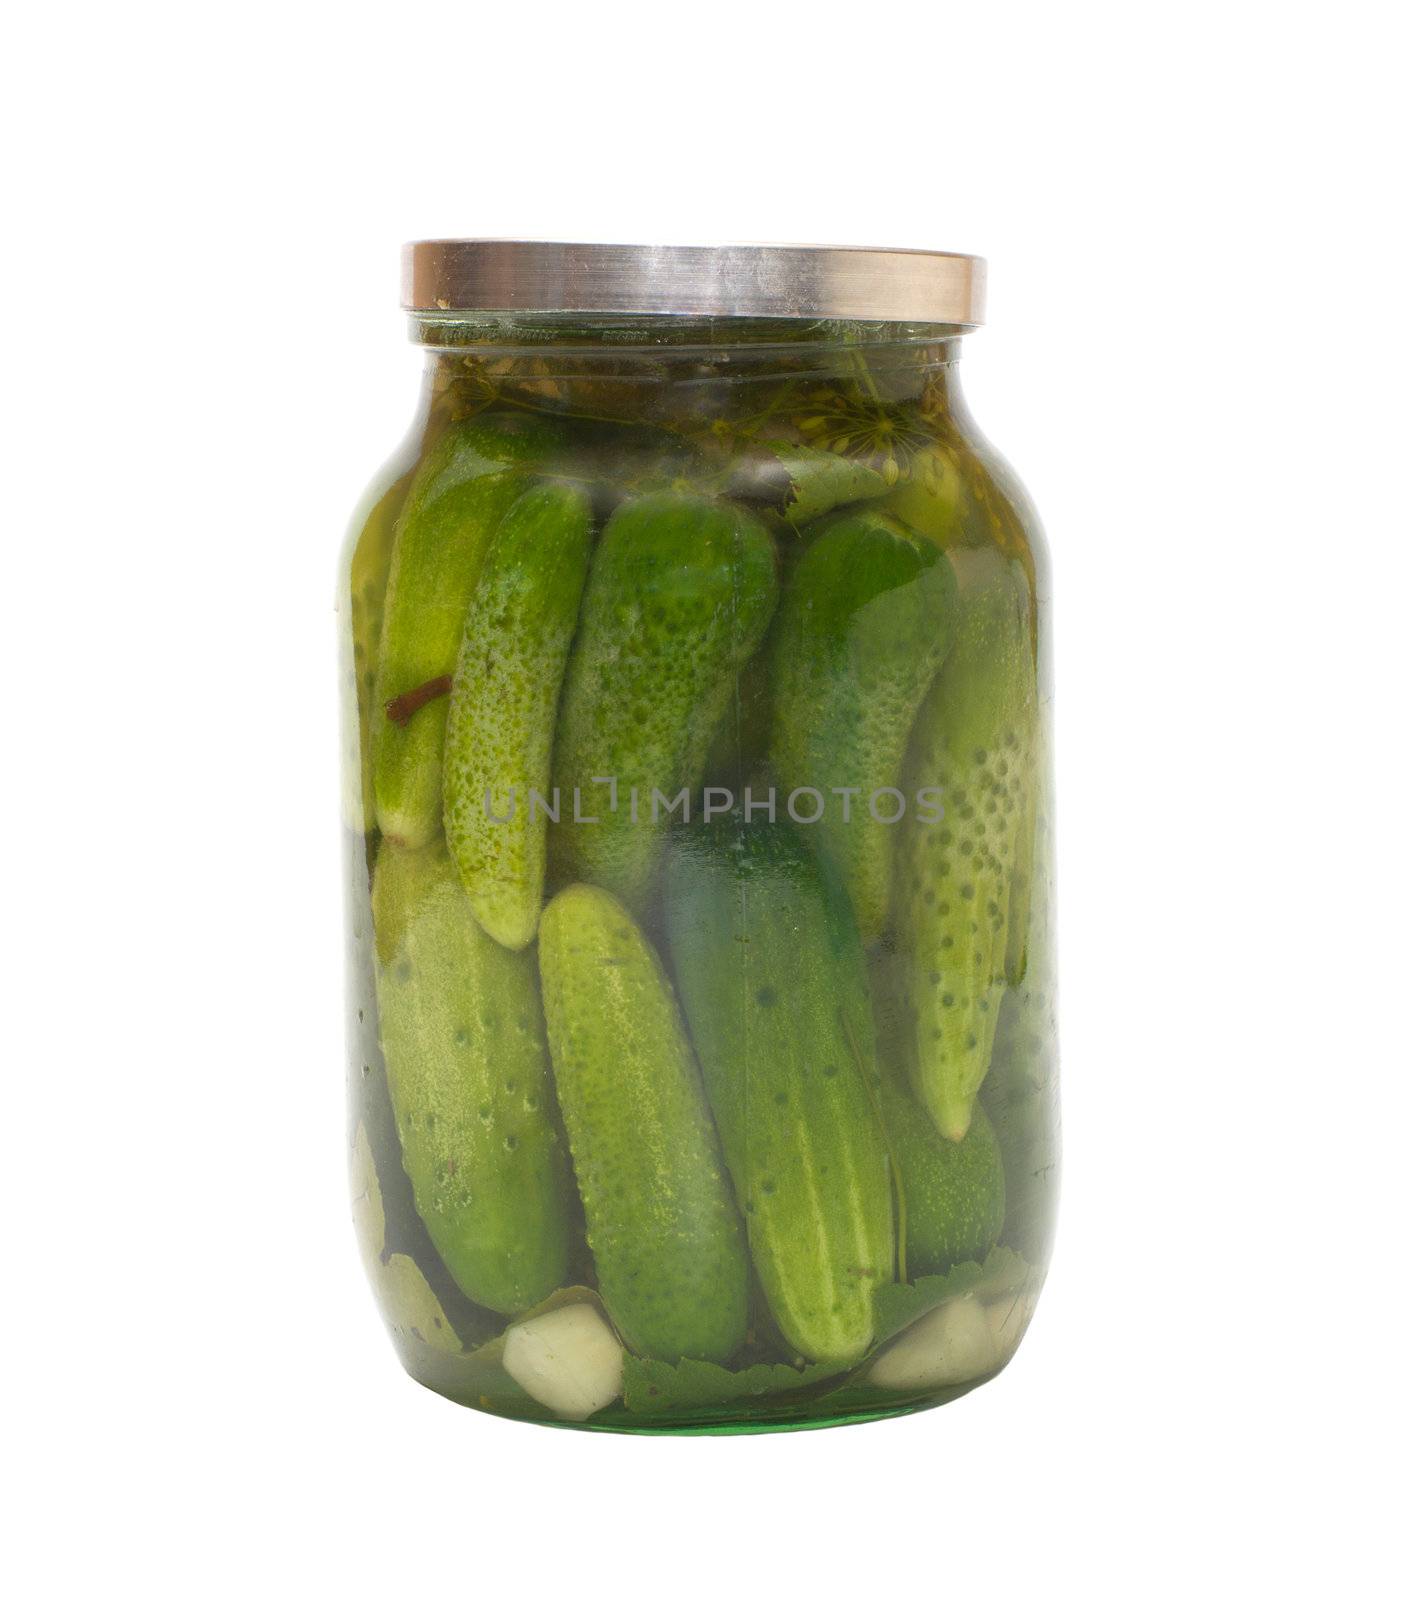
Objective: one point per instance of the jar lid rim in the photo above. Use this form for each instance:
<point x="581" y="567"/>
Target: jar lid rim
<point x="852" y="283"/>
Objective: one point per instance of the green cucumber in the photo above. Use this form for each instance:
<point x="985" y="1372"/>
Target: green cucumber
<point x="740" y="748"/>
<point x="931" y="495"/>
<point x="820" y="480"/>
<point x="461" y="489"/>
<point x="468" y="1075"/>
<point x="1021" y="1090"/>
<point x="954" y="1195"/>
<point x="862" y="631"/>
<point x="499" y="736"/>
<point x="679" y="594"/>
<point x="668" y="1245"/>
<point x="768" y="964"/>
<point x="362" y="608"/>
<point x="974" y="740"/>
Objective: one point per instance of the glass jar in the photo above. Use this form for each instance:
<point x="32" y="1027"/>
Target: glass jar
<point x="698" y="811"/>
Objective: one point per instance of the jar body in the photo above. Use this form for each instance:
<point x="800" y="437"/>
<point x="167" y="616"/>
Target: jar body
<point x="698" y="818"/>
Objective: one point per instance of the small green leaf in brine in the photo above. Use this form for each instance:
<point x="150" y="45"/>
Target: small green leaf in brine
<point x="661" y="1386"/>
<point x="1001" y="1275"/>
<point x="409" y="1305"/>
<point x="819" y="481"/>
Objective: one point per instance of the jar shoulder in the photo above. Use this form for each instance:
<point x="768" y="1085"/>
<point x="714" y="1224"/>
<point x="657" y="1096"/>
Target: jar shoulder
<point x="1008" y="514"/>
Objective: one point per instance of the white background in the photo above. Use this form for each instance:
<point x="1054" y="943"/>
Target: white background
<point x="1201" y="355"/>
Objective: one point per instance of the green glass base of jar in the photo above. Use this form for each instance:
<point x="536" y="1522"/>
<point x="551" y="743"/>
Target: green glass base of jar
<point x="483" y="1386"/>
<point x="704" y="1426"/>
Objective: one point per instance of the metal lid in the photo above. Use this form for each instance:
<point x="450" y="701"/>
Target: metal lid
<point x="729" y="280"/>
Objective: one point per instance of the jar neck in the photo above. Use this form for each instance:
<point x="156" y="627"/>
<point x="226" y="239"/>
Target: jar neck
<point x="604" y="368"/>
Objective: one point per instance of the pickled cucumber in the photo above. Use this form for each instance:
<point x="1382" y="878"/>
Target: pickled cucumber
<point x="862" y="630"/>
<point x="931" y="496"/>
<point x="468" y="1075"/>
<point x="1021" y="1090"/>
<point x="768" y="965"/>
<point x="679" y="593"/>
<point x="462" y="488"/>
<point x="954" y="1194"/>
<point x="362" y="609"/>
<point x="499" y="738"/>
<point x="975" y="740"/>
<point x="668" y="1245"/>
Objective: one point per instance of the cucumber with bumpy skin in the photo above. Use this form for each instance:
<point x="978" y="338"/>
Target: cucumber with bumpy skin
<point x="1021" y="1090"/>
<point x="460" y="491"/>
<point x="499" y="737"/>
<point x="954" y="1195"/>
<point x="468" y="1075"/>
<point x="679" y="593"/>
<point x="974" y="742"/>
<point x="661" y="1224"/>
<point x="860" y="635"/>
<point x="768" y="964"/>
